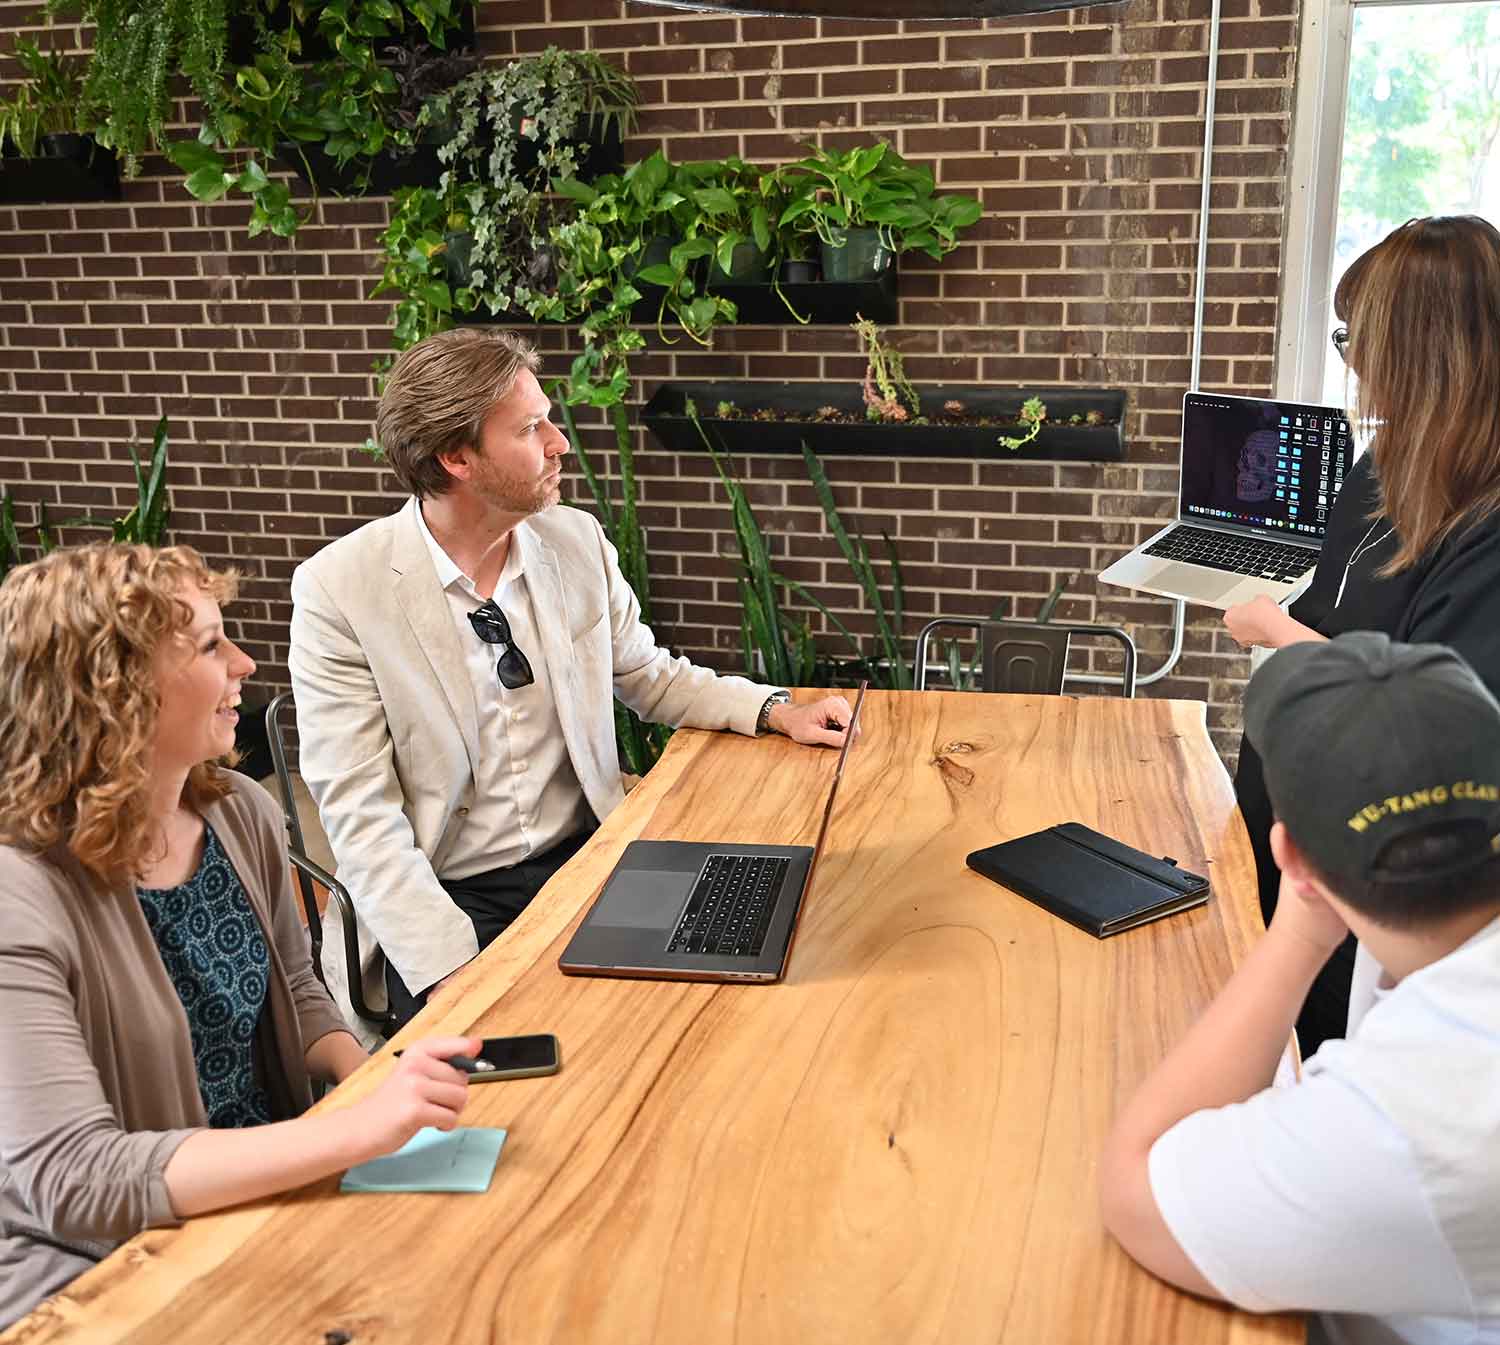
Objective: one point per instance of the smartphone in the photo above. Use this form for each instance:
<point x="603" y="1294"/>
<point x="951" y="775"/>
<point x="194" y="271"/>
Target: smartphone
<point x="516" y="1058"/>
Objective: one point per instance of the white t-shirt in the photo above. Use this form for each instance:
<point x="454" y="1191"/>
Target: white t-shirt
<point x="1370" y="1191"/>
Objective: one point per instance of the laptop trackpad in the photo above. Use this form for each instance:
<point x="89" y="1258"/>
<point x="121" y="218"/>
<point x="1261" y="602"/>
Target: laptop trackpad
<point x="644" y="899"/>
<point x="1192" y="582"/>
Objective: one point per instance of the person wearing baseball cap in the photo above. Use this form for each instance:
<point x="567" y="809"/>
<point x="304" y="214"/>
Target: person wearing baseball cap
<point x="1368" y="1191"/>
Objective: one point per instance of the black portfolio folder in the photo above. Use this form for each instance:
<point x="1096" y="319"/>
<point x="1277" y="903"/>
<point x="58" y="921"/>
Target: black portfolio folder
<point x="1090" y="880"/>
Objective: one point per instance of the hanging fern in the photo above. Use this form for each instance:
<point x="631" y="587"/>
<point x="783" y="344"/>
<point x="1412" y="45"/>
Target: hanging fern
<point x="139" y="45"/>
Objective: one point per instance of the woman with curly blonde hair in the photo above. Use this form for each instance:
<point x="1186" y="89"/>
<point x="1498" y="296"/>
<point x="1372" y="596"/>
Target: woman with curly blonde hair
<point x="160" y="1023"/>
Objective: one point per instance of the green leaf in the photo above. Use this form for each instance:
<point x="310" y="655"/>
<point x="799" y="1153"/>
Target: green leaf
<point x="191" y="155"/>
<point x="660" y="274"/>
<point x="253" y="178"/>
<point x="715" y="200"/>
<point x="962" y="213"/>
<point x="760" y="226"/>
<point x="575" y="190"/>
<point x="690" y="250"/>
<point x="208" y="184"/>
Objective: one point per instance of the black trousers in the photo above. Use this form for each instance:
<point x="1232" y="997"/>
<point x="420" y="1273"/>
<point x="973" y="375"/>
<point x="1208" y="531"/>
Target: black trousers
<point x="492" y="900"/>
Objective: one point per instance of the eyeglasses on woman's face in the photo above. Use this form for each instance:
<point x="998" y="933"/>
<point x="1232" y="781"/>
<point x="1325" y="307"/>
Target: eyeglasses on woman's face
<point x="1340" y="339"/>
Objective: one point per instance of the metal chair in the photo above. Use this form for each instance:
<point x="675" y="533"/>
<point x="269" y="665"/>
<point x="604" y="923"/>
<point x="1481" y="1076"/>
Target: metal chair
<point x="309" y="873"/>
<point x="1025" y="656"/>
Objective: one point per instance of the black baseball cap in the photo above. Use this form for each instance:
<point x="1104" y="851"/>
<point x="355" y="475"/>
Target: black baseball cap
<point x="1365" y="741"/>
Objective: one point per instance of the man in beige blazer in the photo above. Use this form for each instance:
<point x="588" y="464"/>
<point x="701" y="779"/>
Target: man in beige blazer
<point x="455" y="666"/>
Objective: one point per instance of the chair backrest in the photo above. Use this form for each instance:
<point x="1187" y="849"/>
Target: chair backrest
<point x="1025" y="656"/>
<point x="310" y="875"/>
<point x="296" y="843"/>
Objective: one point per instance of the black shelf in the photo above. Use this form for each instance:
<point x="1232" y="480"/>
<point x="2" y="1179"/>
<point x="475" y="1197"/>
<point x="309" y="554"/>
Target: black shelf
<point x="824" y="302"/>
<point x="666" y="415"/>
<point x="598" y="150"/>
<point x="77" y="168"/>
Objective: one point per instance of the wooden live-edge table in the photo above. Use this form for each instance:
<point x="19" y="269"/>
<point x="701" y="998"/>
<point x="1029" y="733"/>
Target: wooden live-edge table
<point x="898" y="1144"/>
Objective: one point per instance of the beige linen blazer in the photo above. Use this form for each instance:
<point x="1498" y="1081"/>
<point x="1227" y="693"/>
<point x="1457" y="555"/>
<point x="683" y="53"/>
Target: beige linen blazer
<point x="389" y="730"/>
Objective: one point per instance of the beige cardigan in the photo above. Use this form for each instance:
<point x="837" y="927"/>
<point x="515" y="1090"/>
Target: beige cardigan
<point x="97" y="1081"/>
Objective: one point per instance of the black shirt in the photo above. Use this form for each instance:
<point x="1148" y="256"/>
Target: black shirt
<point x="1450" y="597"/>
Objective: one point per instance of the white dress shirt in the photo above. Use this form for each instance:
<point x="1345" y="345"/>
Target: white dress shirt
<point x="526" y="793"/>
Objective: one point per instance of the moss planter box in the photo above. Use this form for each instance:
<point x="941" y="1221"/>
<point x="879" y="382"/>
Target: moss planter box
<point x="666" y="415"/>
<point x="70" y="168"/>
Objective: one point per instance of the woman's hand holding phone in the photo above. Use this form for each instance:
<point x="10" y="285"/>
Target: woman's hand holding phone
<point x="423" y="1090"/>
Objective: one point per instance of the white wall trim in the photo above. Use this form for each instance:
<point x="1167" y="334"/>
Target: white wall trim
<point x="1321" y="85"/>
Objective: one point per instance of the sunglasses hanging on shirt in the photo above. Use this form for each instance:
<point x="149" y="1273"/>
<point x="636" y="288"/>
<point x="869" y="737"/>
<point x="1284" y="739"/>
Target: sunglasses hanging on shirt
<point x="490" y="625"/>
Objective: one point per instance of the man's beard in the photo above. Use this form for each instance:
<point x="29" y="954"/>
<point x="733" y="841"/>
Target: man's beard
<point x="512" y="495"/>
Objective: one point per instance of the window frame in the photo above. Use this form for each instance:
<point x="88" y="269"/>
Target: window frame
<point x="1317" y="153"/>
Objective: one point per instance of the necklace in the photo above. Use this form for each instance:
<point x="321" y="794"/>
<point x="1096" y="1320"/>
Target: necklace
<point x="1365" y="544"/>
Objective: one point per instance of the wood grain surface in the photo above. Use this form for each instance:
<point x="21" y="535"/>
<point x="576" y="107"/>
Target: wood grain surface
<point x="897" y="1144"/>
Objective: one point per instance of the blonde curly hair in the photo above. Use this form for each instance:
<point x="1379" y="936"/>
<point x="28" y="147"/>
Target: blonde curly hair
<point x="80" y="631"/>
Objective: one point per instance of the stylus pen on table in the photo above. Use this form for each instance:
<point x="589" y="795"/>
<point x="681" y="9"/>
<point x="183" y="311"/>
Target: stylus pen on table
<point x="468" y="1065"/>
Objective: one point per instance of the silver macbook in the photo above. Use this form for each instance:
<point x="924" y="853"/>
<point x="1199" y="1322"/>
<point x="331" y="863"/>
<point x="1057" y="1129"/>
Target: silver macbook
<point x="1258" y="479"/>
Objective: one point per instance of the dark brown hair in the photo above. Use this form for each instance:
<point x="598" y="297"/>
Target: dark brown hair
<point x="437" y="396"/>
<point x="1423" y="310"/>
<point x="1416" y="885"/>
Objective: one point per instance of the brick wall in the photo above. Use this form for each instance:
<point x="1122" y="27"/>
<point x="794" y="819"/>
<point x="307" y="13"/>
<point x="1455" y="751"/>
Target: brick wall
<point x="1081" y="133"/>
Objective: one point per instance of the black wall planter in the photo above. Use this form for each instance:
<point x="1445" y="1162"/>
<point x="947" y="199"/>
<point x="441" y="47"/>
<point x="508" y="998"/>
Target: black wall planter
<point x="239" y="37"/>
<point x="598" y="150"/>
<point x="72" y="168"/>
<point x="390" y="169"/>
<point x="666" y="415"/>
<point x="821" y="302"/>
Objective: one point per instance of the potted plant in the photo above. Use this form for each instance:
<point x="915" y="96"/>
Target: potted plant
<point x="739" y="203"/>
<point x="648" y="229"/>
<point x="49" y="152"/>
<point x="868" y="204"/>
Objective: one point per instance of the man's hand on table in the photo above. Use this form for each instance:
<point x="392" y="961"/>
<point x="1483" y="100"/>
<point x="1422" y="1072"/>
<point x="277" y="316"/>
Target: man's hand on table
<point x="820" y="723"/>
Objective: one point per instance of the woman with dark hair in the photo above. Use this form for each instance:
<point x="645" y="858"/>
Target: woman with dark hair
<point x="160" y="1023"/>
<point x="1413" y="543"/>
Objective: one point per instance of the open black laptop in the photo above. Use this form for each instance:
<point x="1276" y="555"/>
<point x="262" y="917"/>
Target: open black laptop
<point x="699" y="910"/>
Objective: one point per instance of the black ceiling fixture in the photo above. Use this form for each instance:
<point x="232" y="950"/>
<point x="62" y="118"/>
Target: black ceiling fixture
<point x="877" y="9"/>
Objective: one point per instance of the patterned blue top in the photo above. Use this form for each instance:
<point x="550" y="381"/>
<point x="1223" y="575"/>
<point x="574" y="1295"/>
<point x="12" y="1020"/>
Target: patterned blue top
<point x="215" y="954"/>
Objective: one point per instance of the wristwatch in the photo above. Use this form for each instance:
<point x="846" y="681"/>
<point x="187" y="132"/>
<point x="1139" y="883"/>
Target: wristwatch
<point x="763" y="719"/>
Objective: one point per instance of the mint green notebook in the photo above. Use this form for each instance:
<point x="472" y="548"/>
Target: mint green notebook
<point x="433" y="1160"/>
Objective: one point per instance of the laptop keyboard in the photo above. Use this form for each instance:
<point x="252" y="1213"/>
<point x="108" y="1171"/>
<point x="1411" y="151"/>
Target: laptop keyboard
<point x="730" y="909"/>
<point x="1239" y="555"/>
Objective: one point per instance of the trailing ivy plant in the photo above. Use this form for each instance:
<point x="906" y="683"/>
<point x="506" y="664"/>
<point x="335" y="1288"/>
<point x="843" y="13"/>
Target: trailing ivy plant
<point x="365" y="99"/>
<point x="540" y="104"/>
